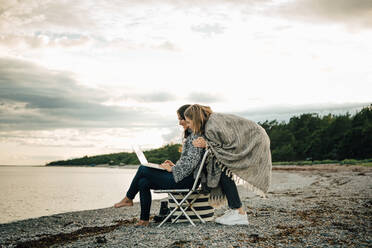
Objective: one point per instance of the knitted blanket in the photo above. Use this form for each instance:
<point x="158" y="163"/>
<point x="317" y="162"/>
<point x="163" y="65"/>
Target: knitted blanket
<point x="239" y="148"/>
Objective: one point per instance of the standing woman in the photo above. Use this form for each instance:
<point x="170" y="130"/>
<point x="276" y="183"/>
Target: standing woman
<point x="238" y="147"/>
<point x="175" y="176"/>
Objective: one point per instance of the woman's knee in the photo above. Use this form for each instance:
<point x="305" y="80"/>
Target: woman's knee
<point x="143" y="170"/>
<point x="143" y="184"/>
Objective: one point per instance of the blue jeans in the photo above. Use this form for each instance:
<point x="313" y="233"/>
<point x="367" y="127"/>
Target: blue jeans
<point x="148" y="178"/>
<point x="229" y="188"/>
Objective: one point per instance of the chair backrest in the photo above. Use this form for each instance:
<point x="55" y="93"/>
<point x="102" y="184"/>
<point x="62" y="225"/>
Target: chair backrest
<point x="196" y="183"/>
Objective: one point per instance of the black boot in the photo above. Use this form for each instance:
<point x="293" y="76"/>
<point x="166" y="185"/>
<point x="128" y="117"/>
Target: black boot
<point x="163" y="212"/>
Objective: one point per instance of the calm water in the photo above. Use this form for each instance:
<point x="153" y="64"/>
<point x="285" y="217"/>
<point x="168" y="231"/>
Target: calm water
<point x="29" y="192"/>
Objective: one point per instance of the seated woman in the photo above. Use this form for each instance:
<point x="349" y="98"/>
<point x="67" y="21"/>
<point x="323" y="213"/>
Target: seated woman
<point x="175" y="176"/>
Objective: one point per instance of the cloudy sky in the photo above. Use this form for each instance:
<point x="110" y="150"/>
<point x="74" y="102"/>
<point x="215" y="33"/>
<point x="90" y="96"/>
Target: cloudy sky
<point x="82" y="77"/>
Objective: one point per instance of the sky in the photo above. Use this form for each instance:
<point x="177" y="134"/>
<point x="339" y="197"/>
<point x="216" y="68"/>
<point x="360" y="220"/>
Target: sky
<point x="82" y="77"/>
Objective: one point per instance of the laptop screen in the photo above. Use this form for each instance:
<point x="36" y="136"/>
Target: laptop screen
<point x="141" y="157"/>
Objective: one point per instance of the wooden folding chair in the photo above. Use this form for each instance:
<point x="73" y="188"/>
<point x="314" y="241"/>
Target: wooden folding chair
<point x="179" y="204"/>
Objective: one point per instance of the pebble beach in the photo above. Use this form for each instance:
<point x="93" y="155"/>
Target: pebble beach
<point x="307" y="206"/>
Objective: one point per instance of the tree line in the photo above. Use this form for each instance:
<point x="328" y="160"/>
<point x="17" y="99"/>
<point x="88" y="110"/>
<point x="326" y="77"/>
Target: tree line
<point x="305" y="137"/>
<point x="171" y="152"/>
<point x="312" y="137"/>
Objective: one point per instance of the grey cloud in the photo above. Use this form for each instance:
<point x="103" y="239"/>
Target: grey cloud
<point x="67" y="14"/>
<point x="27" y="142"/>
<point x="355" y="14"/>
<point x="158" y="97"/>
<point x="15" y="13"/>
<point x="285" y="112"/>
<point x="62" y="21"/>
<point x="150" y="97"/>
<point x="35" y="98"/>
<point x="40" y="40"/>
<point x="62" y="15"/>
<point x="208" y="29"/>
<point x="92" y="16"/>
<point x="282" y="27"/>
<point x="76" y="41"/>
<point x="174" y="136"/>
<point x="204" y="98"/>
<point x="167" y="45"/>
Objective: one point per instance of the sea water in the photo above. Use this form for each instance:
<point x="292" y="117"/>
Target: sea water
<point x="29" y="192"/>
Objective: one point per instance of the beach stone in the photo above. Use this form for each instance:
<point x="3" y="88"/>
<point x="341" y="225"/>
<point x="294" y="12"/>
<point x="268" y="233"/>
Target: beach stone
<point x="317" y="208"/>
<point x="101" y="240"/>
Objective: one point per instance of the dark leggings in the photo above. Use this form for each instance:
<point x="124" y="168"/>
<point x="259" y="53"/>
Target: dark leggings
<point x="148" y="178"/>
<point x="229" y="188"/>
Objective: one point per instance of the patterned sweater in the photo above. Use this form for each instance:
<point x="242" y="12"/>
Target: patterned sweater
<point x="190" y="159"/>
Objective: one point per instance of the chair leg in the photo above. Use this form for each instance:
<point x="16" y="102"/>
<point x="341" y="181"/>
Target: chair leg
<point x="184" y="200"/>
<point x="184" y="212"/>
<point x="179" y="205"/>
<point x="187" y="207"/>
<point x="190" y="206"/>
<point x="178" y="216"/>
<point x="196" y="213"/>
<point x="169" y="215"/>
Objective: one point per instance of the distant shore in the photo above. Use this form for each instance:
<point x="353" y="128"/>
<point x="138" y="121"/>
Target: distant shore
<point x="275" y="166"/>
<point x="90" y="166"/>
<point x="99" y="166"/>
<point x="312" y="207"/>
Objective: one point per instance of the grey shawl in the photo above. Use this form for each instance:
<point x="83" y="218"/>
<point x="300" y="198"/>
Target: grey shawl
<point x="239" y="148"/>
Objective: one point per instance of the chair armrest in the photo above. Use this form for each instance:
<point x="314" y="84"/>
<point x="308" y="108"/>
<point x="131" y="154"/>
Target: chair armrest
<point x="171" y="190"/>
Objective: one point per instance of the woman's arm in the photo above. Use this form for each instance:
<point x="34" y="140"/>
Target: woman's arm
<point x="167" y="165"/>
<point x="189" y="159"/>
<point x="200" y="142"/>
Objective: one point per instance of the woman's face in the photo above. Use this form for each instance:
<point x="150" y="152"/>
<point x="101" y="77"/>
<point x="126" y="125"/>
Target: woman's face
<point x="182" y="122"/>
<point x="189" y="123"/>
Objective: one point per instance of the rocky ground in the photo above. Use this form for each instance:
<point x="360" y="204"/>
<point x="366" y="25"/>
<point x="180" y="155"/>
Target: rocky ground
<point x="307" y="206"/>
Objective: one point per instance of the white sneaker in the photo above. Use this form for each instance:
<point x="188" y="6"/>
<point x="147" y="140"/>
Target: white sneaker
<point x="224" y="216"/>
<point x="232" y="217"/>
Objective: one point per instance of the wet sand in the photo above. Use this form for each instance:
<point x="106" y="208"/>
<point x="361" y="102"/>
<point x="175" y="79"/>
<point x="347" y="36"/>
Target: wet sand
<point x="307" y="206"/>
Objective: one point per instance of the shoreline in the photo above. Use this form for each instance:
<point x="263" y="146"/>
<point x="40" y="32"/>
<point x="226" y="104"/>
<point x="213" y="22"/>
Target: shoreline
<point x="329" y="206"/>
<point x="278" y="166"/>
<point x="275" y="167"/>
<point x="97" y="166"/>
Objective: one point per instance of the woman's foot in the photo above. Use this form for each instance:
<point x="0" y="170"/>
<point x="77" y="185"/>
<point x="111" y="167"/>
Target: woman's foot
<point x="233" y="217"/>
<point x="241" y="211"/>
<point x="142" y="223"/>
<point x="126" y="202"/>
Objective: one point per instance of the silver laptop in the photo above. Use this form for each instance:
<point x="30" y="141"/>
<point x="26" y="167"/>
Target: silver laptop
<point x="141" y="157"/>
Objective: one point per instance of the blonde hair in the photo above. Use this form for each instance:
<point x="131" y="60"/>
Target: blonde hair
<point x="199" y="115"/>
